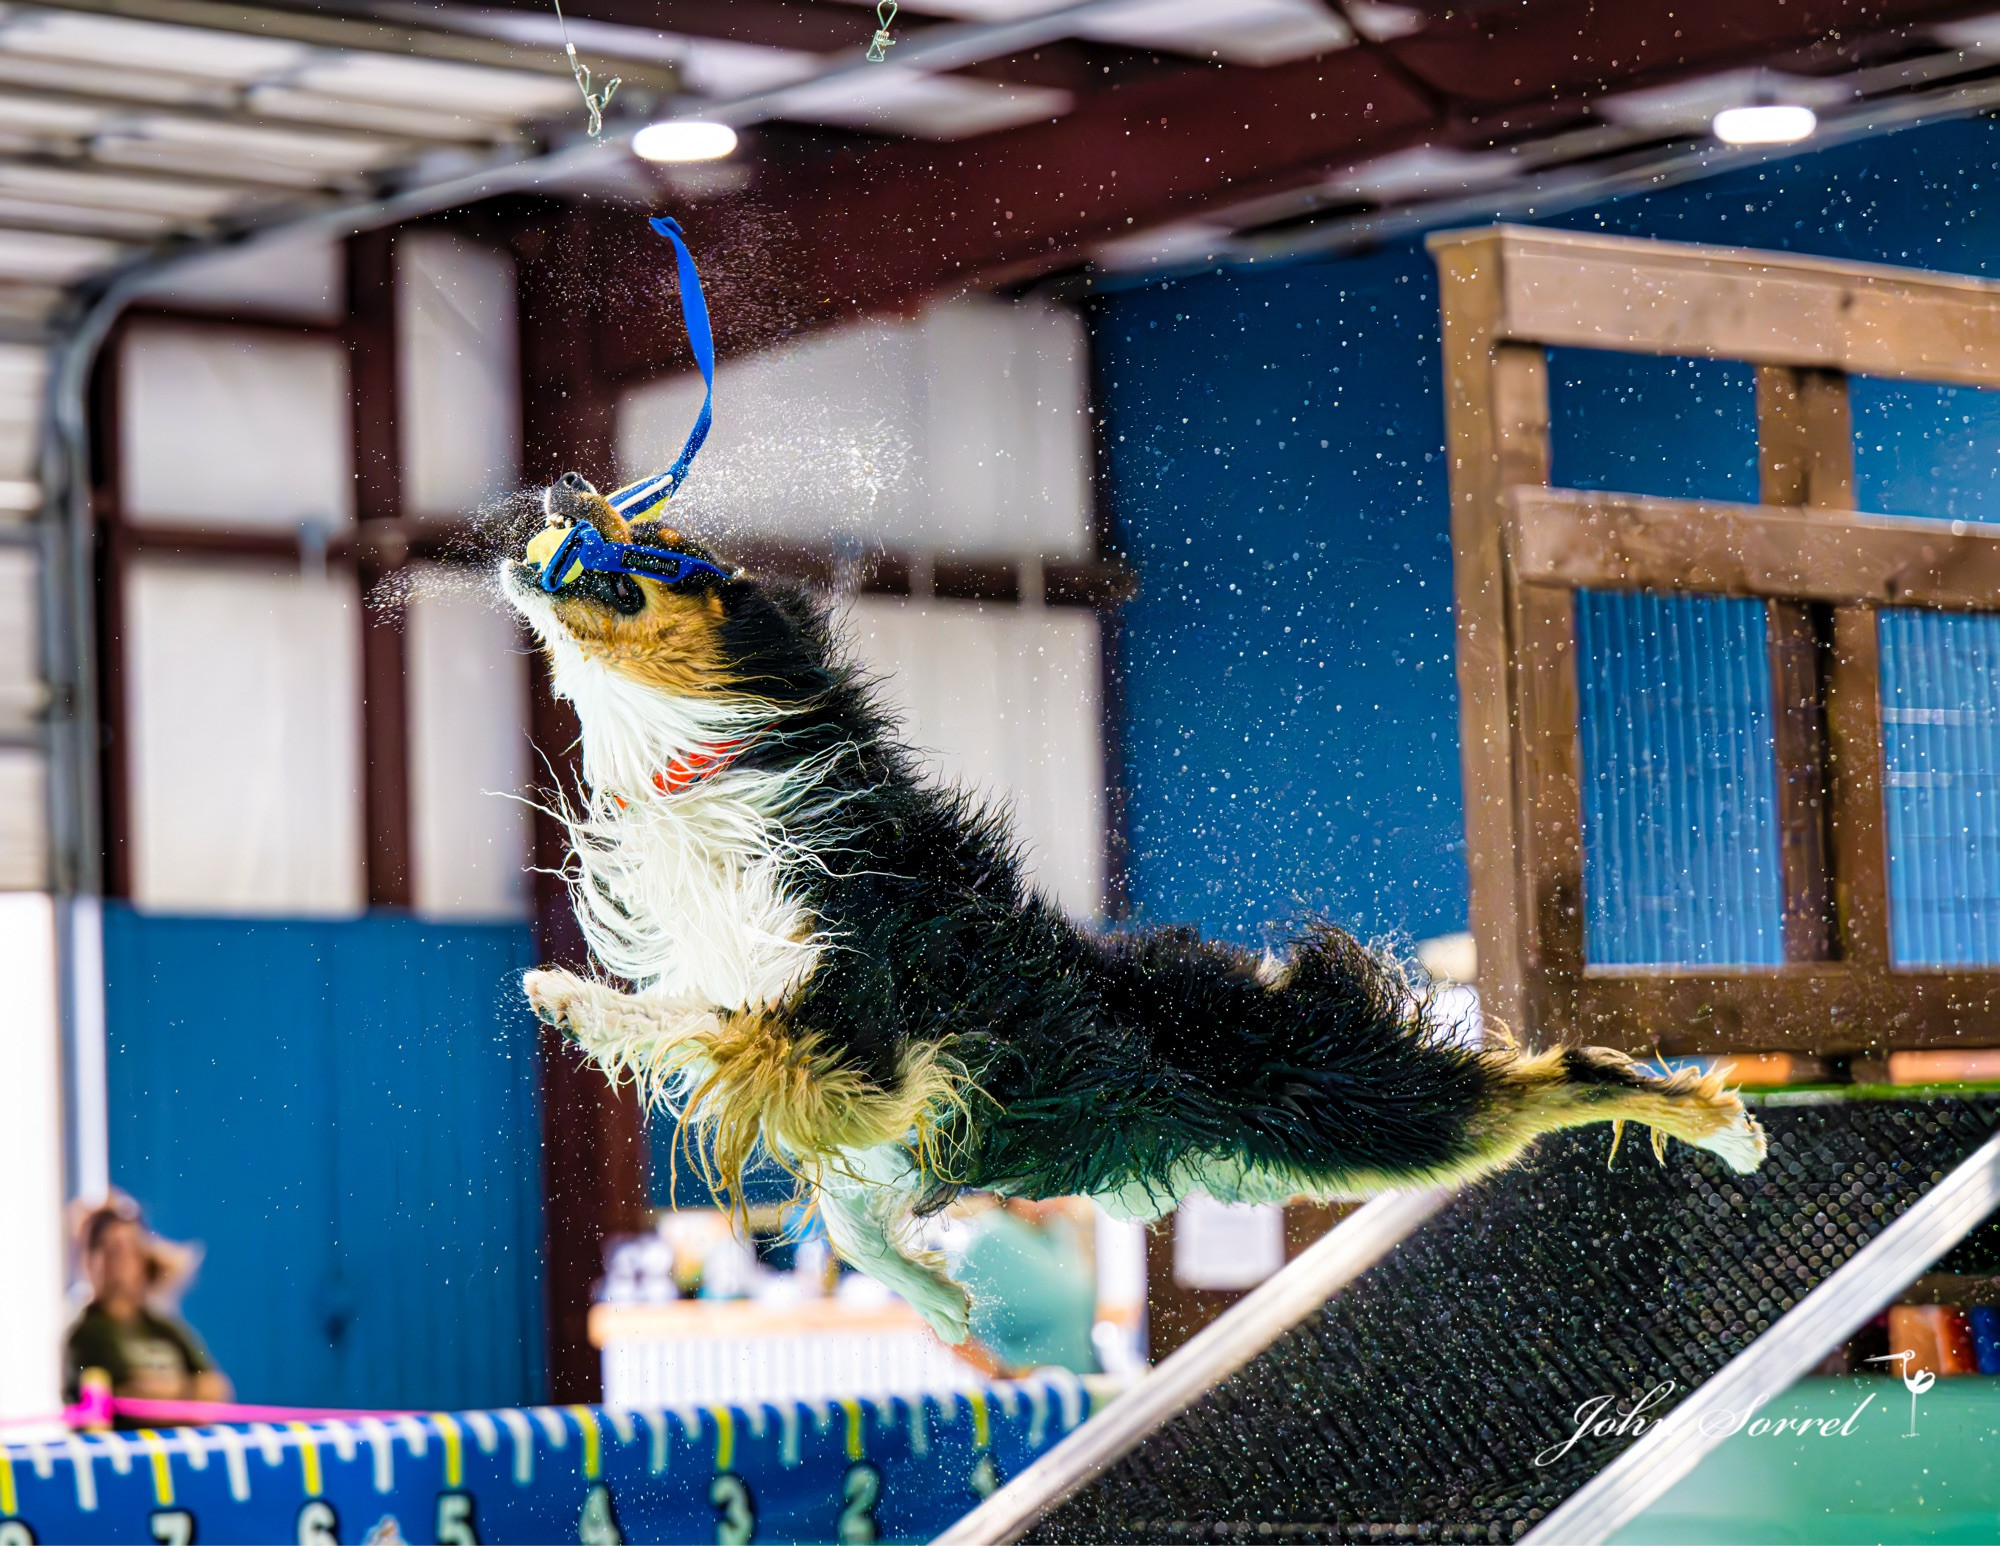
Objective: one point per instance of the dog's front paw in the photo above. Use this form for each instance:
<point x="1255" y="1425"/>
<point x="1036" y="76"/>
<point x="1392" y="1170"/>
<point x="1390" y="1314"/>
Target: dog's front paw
<point x="945" y="1307"/>
<point x="555" y="997"/>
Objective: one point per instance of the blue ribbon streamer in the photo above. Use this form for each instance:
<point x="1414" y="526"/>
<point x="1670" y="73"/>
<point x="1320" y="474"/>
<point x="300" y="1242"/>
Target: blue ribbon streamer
<point x="648" y="492"/>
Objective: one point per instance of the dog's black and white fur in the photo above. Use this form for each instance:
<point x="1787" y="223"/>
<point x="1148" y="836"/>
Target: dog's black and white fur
<point x="837" y="962"/>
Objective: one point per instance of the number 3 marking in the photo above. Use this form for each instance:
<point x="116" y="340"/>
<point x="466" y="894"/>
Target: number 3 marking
<point x="737" y="1521"/>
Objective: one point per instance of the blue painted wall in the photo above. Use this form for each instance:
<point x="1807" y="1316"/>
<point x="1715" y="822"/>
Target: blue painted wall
<point x="1290" y="721"/>
<point x="1276" y="473"/>
<point x="344" y="1115"/>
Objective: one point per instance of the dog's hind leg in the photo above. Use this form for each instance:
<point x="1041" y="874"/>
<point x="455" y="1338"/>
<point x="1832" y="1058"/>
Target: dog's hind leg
<point x="1547" y="1092"/>
<point x="865" y="1202"/>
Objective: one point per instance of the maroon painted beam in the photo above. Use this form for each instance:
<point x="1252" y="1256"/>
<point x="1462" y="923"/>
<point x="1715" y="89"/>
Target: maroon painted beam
<point x="594" y="1157"/>
<point x="385" y="732"/>
<point x="852" y="224"/>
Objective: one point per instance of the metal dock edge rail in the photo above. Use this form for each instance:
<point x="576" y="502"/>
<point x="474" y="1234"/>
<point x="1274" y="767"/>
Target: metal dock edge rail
<point x="1239" y="1335"/>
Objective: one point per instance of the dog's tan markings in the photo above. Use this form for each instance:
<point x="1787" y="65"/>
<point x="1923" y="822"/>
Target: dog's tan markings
<point x="745" y="1078"/>
<point x="674" y="644"/>
<point x="762" y="1082"/>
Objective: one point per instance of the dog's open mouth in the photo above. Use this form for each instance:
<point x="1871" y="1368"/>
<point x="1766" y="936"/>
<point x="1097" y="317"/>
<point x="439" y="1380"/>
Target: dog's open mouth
<point x="543" y="547"/>
<point x="620" y="592"/>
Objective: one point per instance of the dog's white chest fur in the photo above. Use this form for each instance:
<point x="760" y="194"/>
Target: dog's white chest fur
<point x="683" y="893"/>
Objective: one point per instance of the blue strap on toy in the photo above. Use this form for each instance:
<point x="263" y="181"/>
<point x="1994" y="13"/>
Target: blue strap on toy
<point x="582" y="548"/>
<point x="634" y="499"/>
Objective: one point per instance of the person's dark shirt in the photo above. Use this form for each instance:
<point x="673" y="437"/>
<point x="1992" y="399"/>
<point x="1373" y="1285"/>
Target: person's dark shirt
<point x="149" y="1342"/>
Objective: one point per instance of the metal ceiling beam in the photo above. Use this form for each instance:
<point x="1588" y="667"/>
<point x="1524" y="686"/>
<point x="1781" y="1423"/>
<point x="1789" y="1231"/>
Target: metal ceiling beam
<point x="316" y="28"/>
<point x="793" y="24"/>
<point x="235" y="105"/>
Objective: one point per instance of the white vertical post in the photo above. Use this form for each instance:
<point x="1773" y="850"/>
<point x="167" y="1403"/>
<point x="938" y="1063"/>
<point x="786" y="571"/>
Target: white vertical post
<point x="1119" y="1334"/>
<point x="90" y="1118"/>
<point x="32" y="1308"/>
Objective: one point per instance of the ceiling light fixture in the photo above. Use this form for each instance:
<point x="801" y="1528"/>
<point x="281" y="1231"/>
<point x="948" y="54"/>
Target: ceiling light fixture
<point x="684" y="139"/>
<point x="1766" y="123"/>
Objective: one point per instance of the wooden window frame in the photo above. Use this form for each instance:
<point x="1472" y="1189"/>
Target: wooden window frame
<point x="1522" y="548"/>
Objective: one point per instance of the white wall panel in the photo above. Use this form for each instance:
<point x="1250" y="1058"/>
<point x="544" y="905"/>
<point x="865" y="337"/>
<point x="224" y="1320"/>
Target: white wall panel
<point x="1004" y="700"/>
<point x="300" y="278"/>
<point x="1007" y="442"/>
<point x="244" y="740"/>
<point x="23" y="373"/>
<point x="964" y="429"/>
<point x="21" y="691"/>
<point x="24" y="820"/>
<point x="469" y="754"/>
<point x="457" y="359"/>
<point x="32" y="1306"/>
<point x="233" y="429"/>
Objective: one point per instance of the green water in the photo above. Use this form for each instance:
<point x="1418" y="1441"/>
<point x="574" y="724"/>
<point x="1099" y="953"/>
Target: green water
<point x="1849" y="1477"/>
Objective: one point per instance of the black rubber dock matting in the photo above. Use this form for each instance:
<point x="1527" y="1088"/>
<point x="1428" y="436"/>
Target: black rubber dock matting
<point x="1413" y="1406"/>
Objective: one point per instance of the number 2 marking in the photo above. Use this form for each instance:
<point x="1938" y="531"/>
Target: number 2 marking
<point x="861" y="1490"/>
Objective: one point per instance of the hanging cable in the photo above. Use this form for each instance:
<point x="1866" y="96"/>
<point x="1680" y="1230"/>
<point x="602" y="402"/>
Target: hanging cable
<point x="878" y="49"/>
<point x="597" y="102"/>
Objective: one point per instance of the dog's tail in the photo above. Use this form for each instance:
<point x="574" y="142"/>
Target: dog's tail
<point x="1340" y="1079"/>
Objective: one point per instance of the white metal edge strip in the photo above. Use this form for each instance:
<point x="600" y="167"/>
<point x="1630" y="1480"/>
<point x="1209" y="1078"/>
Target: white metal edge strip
<point x="1354" y="1245"/>
<point x="1805" y="1334"/>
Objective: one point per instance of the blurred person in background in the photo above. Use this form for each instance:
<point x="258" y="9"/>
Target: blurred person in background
<point x="128" y="1332"/>
<point x="1032" y="1274"/>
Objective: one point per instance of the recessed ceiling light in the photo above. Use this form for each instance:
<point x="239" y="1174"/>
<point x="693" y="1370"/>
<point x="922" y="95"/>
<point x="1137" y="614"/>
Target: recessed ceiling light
<point x="1767" y="123"/>
<point x="684" y="139"/>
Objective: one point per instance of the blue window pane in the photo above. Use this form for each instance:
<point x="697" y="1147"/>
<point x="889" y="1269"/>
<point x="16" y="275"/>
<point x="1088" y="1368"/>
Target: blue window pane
<point x="1674" y="693"/>
<point x="1650" y="424"/>
<point x="1679" y="786"/>
<point x="1941" y="776"/>
<point x="1921" y="448"/>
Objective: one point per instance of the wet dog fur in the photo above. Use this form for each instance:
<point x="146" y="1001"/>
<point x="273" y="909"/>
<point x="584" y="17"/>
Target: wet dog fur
<point x="836" y="962"/>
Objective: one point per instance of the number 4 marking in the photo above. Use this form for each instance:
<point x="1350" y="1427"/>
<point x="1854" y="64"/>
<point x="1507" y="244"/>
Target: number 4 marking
<point x="172" y="1526"/>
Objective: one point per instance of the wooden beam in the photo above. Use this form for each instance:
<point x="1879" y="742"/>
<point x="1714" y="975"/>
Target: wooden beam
<point x="1832" y="1008"/>
<point x="1496" y="399"/>
<point x="1639" y="542"/>
<point x="1858" y="830"/>
<point x="1805" y="457"/>
<point x="1647" y="297"/>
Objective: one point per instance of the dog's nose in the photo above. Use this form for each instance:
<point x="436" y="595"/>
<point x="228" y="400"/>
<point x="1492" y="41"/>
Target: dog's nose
<point x="568" y="500"/>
